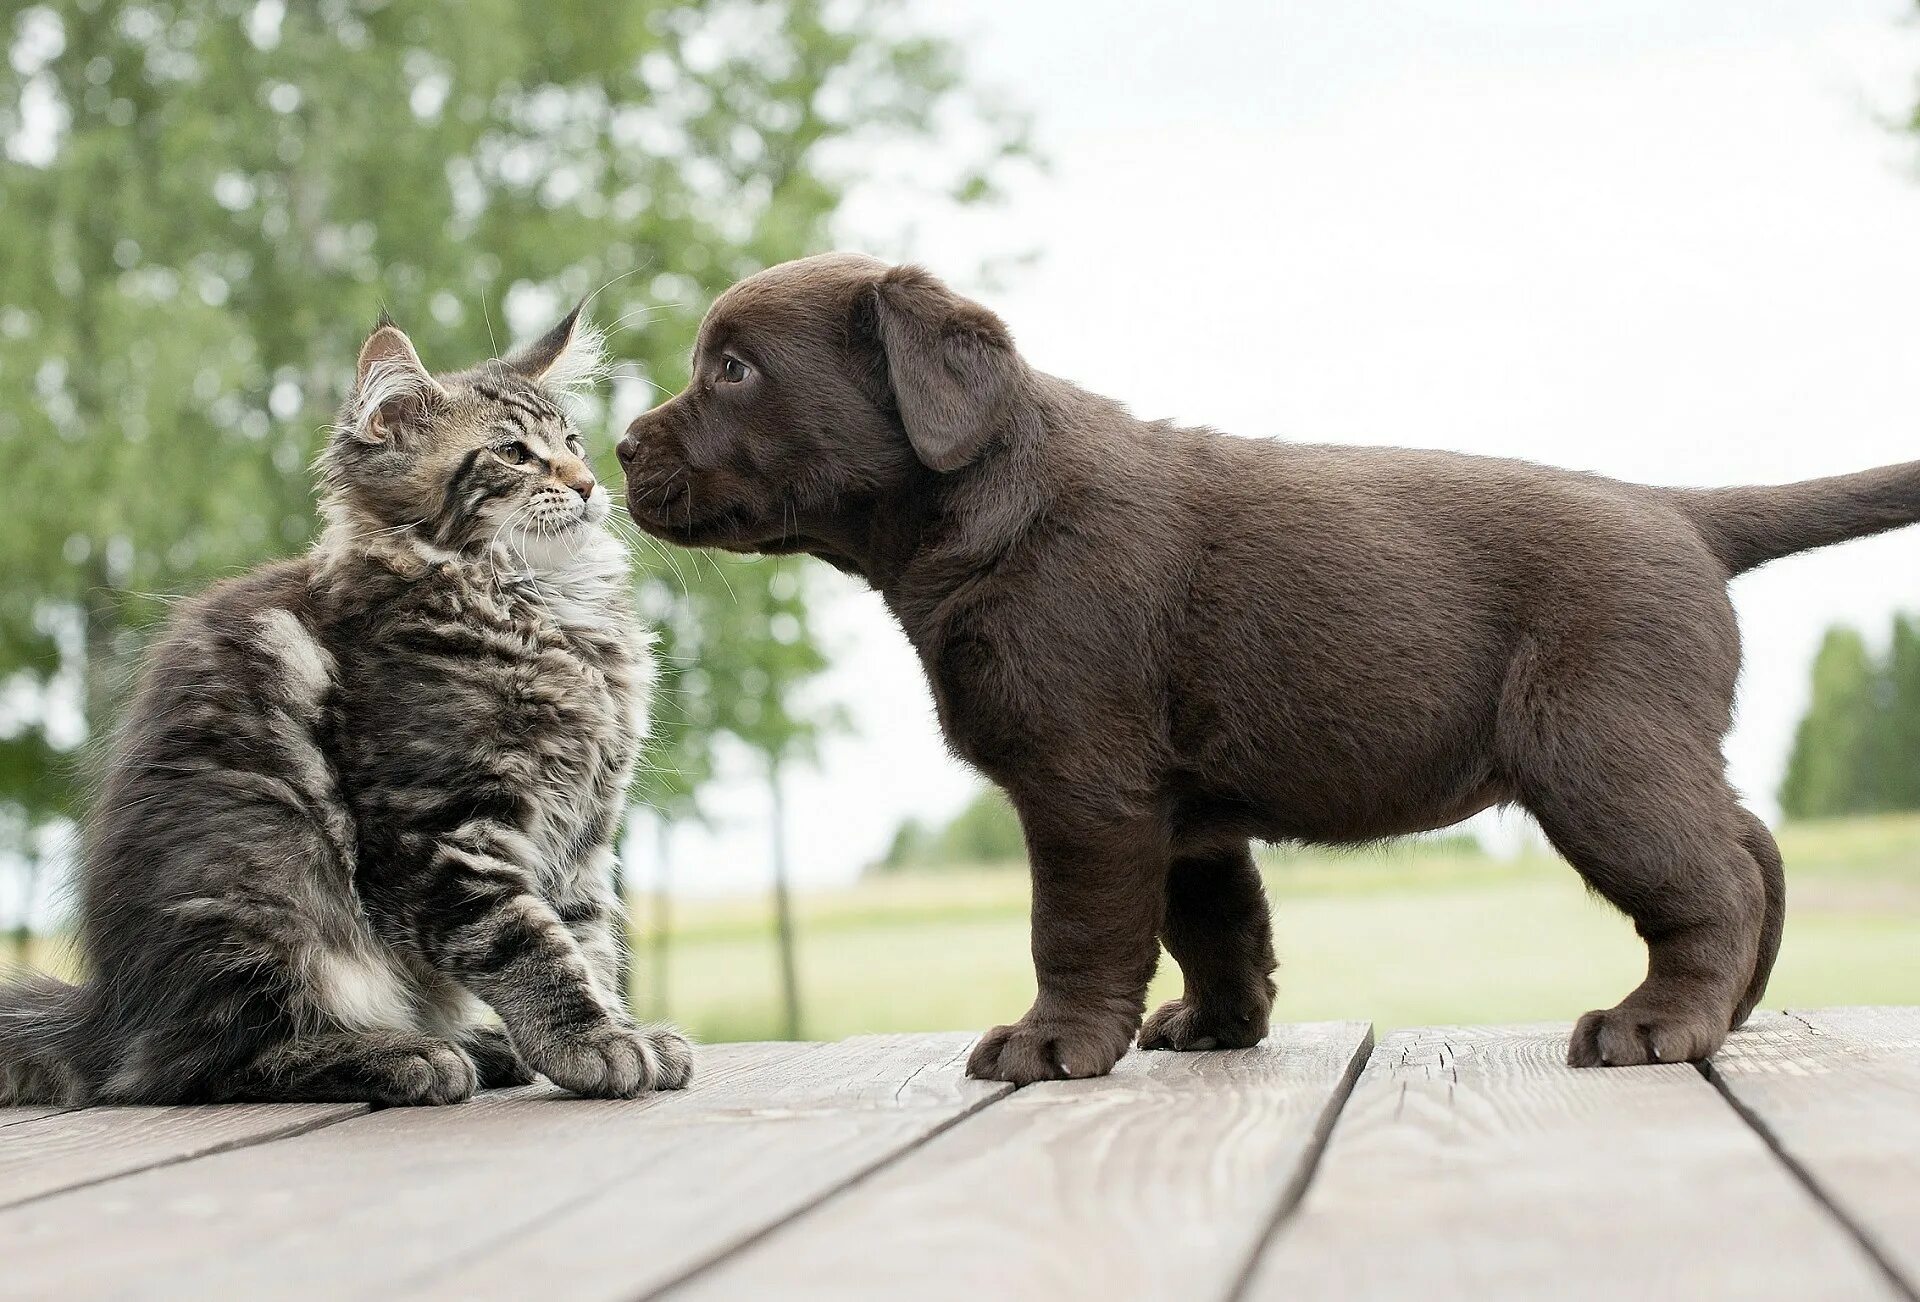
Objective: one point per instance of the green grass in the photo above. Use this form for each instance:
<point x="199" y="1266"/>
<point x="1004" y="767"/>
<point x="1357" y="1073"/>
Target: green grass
<point x="1413" y="934"/>
<point x="1422" y="932"/>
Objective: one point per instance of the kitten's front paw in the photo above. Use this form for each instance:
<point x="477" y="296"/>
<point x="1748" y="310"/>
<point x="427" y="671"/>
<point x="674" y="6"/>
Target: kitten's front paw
<point x="618" y="1062"/>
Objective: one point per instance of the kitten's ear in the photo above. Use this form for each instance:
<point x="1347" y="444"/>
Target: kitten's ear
<point x="391" y="386"/>
<point x="950" y="363"/>
<point x="566" y="355"/>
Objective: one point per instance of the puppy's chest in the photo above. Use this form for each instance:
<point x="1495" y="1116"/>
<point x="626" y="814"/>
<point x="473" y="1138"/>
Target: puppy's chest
<point x="985" y="719"/>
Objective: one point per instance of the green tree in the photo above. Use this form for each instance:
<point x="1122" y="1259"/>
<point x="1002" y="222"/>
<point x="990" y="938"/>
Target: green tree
<point x="907" y="849"/>
<point x="205" y="202"/>
<point x="986" y="831"/>
<point x="1831" y="769"/>
<point x="1897" y="720"/>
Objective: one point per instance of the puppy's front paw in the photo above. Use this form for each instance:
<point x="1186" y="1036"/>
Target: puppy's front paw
<point x="618" y="1062"/>
<point x="1184" y="1025"/>
<point x="1632" y="1036"/>
<point x="1046" y="1047"/>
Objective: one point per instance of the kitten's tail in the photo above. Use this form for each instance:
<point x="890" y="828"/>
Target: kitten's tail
<point x="39" y="1017"/>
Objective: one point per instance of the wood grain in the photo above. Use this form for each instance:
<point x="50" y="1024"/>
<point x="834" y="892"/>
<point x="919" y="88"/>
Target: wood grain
<point x="1472" y="1163"/>
<point x="1838" y="1092"/>
<point x="752" y="1156"/>
<point x="68" y="1150"/>
<point x="1158" y="1181"/>
<point x="14" y="1116"/>
<point x="396" y="1201"/>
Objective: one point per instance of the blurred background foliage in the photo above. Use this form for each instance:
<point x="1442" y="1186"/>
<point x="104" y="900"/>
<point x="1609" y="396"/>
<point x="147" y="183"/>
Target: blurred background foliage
<point x="1857" y="750"/>
<point x="204" y="204"/>
<point x="985" y="832"/>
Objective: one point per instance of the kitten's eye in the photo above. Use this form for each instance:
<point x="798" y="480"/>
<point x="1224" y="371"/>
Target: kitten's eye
<point x="733" y="370"/>
<point x="514" y="454"/>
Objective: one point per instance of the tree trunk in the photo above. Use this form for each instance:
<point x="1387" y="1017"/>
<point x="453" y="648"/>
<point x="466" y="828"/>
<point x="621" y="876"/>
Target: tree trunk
<point x="99" y="674"/>
<point x="662" y="915"/>
<point x="23" y="927"/>
<point x="783" y="907"/>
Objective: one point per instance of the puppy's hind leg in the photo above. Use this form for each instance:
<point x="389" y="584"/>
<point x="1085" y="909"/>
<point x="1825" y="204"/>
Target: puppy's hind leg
<point x="1218" y="929"/>
<point x="1655" y="830"/>
<point x="1766" y="855"/>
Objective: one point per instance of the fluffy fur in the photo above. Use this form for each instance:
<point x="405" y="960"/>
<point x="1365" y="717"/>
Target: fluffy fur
<point x="355" y="837"/>
<point x="1164" y="643"/>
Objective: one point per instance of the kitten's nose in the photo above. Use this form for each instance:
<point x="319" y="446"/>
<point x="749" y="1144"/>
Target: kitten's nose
<point x="583" y="485"/>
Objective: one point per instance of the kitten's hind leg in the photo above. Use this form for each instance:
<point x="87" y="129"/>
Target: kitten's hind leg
<point x="395" y="1068"/>
<point x="499" y="1064"/>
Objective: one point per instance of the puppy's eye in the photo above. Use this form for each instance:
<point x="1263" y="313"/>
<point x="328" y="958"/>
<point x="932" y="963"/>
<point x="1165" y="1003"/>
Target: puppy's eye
<point x="733" y="370"/>
<point x="514" y="454"/>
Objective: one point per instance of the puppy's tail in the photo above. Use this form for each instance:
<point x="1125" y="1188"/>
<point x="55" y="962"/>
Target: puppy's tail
<point x="39" y="1020"/>
<point x="1747" y="527"/>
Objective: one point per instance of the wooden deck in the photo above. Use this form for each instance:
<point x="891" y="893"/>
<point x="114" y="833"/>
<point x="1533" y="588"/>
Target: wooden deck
<point x="1445" y="1162"/>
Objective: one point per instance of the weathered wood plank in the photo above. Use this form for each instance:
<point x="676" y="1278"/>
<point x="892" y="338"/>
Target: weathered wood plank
<point x="1472" y="1163"/>
<point x="1158" y="1181"/>
<point x="277" y="1219"/>
<point x="1838" y="1092"/>
<point x="14" y="1116"/>
<point x="68" y="1150"/>
<point x="749" y="1158"/>
<point x="395" y="1200"/>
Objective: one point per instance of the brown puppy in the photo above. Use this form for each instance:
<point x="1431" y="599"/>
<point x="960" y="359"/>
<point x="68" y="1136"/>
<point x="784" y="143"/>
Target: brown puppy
<point x="1166" y="642"/>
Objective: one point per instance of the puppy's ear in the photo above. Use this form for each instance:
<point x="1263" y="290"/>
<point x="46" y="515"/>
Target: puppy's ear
<point x="949" y="362"/>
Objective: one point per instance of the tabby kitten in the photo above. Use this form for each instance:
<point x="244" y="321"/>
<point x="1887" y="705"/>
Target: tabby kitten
<point x="363" y="796"/>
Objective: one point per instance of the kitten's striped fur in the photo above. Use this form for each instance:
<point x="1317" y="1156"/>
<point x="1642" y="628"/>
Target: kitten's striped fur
<point x="364" y="796"/>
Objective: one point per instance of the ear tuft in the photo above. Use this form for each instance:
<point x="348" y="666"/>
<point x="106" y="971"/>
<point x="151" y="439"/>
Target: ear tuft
<point x="570" y="355"/>
<point x="951" y="365"/>
<point x="391" y="385"/>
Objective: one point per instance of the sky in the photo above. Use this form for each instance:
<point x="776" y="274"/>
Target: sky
<point x="1669" y="243"/>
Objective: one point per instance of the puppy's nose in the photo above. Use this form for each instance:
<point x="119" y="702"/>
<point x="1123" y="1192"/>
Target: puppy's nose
<point x="629" y="446"/>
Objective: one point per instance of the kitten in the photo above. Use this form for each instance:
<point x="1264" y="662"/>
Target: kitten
<point x="363" y="796"/>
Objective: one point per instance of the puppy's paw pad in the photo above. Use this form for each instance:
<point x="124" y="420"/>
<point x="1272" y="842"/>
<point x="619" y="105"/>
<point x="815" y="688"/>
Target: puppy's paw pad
<point x="1185" y="1027"/>
<point x="1633" y="1037"/>
<point x="1045" y="1049"/>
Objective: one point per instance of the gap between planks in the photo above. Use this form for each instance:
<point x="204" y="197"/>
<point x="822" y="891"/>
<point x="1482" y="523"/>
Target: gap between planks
<point x="1160" y="1180"/>
<point x="78" y="1148"/>
<point x="1471" y="1162"/>
<point x="1854" y="1148"/>
<point x="482" y="1200"/>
